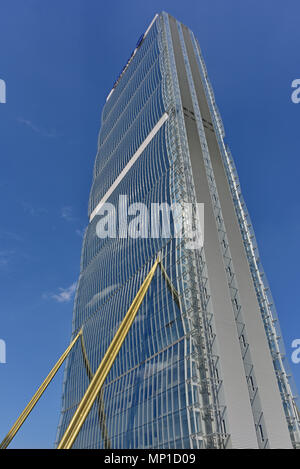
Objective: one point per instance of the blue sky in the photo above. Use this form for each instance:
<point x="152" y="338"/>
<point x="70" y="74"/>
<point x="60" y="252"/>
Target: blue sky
<point x="59" y="60"/>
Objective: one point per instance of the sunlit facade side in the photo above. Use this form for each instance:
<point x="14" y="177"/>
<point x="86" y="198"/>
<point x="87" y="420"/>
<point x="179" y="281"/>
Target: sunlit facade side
<point x="196" y="368"/>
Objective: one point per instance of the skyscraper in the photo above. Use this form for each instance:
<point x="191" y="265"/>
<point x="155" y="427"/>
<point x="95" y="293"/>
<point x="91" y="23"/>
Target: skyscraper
<point x="202" y="366"/>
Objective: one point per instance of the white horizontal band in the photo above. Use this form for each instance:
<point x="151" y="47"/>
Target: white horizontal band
<point x="130" y="163"/>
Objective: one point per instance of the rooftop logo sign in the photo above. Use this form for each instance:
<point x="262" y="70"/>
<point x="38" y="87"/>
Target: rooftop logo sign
<point x="138" y="44"/>
<point x="126" y="66"/>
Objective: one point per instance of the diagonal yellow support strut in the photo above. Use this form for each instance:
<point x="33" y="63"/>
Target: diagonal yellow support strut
<point x="99" y="377"/>
<point x="101" y="410"/>
<point x="171" y="287"/>
<point x="96" y="380"/>
<point x="19" y="422"/>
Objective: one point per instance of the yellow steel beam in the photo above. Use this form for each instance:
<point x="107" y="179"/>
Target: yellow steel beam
<point x="102" y="421"/>
<point x="99" y="377"/>
<point x="101" y="410"/>
<point x="170" y="285"/>
<point x="19" y="422"/>
<point x="85" y="359"/>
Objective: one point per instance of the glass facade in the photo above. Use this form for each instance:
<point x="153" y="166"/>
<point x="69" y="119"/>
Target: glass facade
<point x="165" y="389"/>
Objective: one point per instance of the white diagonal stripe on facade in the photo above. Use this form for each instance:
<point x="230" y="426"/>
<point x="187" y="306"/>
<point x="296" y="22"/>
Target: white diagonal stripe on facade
<point x="130" y="163"/>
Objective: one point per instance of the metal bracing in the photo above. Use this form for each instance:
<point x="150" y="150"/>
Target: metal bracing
<point x="265" y="301"/>
<point x="222" y="235"/>
<point x="260" y="283"/>
<point x="99" y="377"/>
<point x="196" y="301"/>
<point x="101" y="410"/>
<point x="263" y="293"/>
<point x="19" y="422"/>
<point x="94" y="390"/>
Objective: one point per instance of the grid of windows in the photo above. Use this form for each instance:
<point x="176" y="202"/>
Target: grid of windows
<point x="165" y="388"/>
<point x="149" y="398"/>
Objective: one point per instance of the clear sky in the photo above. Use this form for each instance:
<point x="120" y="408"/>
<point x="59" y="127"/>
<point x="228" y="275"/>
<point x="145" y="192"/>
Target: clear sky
<point x="59" y="59"/>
